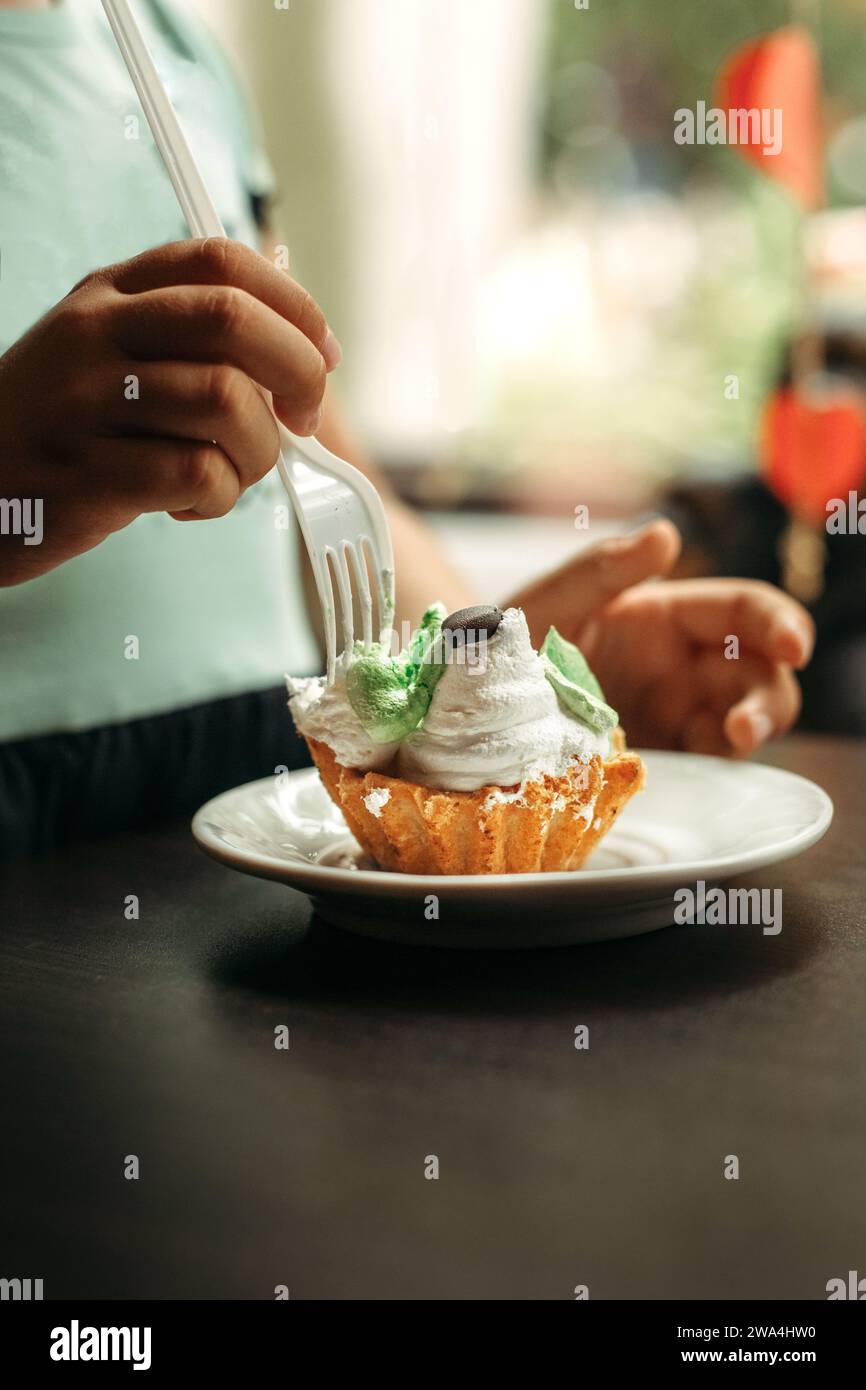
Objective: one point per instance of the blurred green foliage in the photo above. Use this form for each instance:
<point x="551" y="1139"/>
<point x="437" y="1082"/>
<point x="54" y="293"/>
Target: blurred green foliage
<point x="614" y="76"/>
<point x="658" y="55"/>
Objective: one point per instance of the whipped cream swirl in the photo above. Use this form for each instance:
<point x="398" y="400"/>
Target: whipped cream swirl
<point x="323" y="712"/>
<point x="496" y="722"/>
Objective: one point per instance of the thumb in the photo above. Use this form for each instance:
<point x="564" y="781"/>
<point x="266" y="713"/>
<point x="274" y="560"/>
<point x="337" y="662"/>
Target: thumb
<point x="569" y="596"/>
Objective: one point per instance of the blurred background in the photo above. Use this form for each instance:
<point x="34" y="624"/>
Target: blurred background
<point x="544" y="301"/>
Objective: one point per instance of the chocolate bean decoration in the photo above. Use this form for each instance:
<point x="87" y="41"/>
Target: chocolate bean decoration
<point x="481" y="622"/>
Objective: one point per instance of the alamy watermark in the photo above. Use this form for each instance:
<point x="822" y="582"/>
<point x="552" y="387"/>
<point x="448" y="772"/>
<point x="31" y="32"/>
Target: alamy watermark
<point x="460" y="647"/>
<point x="732" y="907"/>
<point x="712" y="125"/>
<point x="77" y="1343"/>
<point x="846" y="516"/>
<point x="21" y="1290"/>
<point x="22" y="516"/>
<point x="851" y="1288"/>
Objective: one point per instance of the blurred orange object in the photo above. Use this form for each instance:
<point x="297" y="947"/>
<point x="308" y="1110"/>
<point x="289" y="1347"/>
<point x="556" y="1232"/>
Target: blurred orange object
<point x="781" y="72"/>
<point x="812" y="451"/>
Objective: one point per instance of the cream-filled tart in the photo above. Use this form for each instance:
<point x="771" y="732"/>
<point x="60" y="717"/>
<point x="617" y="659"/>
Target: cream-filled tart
<point x="469" y="752"/>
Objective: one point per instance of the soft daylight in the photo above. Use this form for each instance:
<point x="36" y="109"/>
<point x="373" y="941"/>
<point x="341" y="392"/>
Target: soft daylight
<point x="432" y="671"/>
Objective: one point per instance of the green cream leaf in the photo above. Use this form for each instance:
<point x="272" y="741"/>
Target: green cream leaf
<point x="568" y="671"/>
<point x="391" y="695"/>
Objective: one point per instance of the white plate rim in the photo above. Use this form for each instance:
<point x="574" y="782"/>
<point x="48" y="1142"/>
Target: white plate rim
<point x="322" y="878"/>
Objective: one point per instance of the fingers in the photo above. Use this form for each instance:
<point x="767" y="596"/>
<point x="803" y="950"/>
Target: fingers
<point x="205" y="323"/>
<point x="769" y="709"/>
<point x="737" y="705"/>
<point x="130" y="476"/>
<point x="763" y="618"/>
<point x="703" y="732"/>
<point x="706" y="703"/>
<point x="191" y="401"/>
<point x="568" y="597"/>
<point x="606" y="569"/>
<point x="220" y="261"/>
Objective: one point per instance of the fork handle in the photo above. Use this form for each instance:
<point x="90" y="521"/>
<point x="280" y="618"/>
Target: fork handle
<point x="195" y="201"/>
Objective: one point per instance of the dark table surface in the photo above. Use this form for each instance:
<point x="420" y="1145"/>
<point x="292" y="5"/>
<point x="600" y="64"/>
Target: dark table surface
<point x="558" y="1167"/>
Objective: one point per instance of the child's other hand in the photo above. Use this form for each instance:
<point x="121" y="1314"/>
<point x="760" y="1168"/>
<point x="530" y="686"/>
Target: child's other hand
<point x="659" y="650"/>
<point x="146" y="389"/>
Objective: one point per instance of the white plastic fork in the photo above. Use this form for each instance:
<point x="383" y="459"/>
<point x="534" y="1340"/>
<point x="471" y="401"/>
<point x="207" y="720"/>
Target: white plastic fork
<point x="339" y="511"/>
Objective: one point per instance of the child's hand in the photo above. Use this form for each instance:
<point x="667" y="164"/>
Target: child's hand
<point x="146" y="389"/>
<point x="659" y="650"/>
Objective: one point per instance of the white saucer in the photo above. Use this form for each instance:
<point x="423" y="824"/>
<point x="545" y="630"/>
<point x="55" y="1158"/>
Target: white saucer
<point x="697" y="819"/>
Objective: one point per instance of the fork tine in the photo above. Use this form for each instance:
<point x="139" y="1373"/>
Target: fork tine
<point x="384" y="592"/>
<point x="343" y="524"/>
<point x="344" y="584"/>
<point x="363" y="587"/>
<point x="325" y="588"/>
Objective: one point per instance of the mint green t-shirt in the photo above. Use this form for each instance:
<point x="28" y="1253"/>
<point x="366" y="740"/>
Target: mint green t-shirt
<point x="216" y="606"/>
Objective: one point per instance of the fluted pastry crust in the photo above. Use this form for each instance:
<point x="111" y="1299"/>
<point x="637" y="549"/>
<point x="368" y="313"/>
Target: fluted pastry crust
<point x="549" y="824"/>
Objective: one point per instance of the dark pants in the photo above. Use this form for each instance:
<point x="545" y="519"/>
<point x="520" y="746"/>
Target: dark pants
<point x="60" y="788"/>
